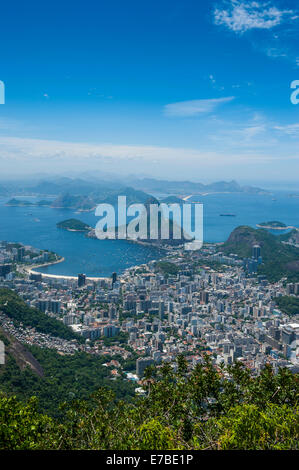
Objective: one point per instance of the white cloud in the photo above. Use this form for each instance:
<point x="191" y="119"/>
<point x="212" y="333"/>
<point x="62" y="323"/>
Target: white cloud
<point x="289" y="129"/>
<point x="241" y="16"/>
<point x="253" y="131"/>
<point x="24" y="154"/>
<point x="241" y="150"/>
<point x="194" y="107"/>
<point x="27" y="149"/>
<point x="275" y="52"/>
<point x="214" y="83"/>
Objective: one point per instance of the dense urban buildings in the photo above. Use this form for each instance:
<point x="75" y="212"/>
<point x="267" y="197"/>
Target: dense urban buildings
<point x="210" y="305"/>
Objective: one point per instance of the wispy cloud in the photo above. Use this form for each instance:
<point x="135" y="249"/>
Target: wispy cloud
<point x="242" y="16"/>
<point x="214" y="83"/>
<point x="39" y="149"/>
<point x="194" y="107"/>
<point x="289" y="129"/>
<point x="43" y="154"/>
<point x="94" y="92"/>
<point x="223" y="149"/>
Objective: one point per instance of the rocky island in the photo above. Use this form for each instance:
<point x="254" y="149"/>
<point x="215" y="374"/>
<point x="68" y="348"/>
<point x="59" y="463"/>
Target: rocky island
<point x="274" y="225"/>
<point x="22" y="203"/>
<point x="74" y="225"/>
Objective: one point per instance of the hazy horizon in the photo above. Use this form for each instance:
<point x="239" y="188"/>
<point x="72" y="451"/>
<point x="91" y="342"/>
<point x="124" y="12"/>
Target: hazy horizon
<point x="92" y="177"/>
<point x="175" y="91"/>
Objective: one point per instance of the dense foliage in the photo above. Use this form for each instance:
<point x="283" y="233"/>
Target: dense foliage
<point x="167" y="268"/>
<point x="121" y="338"/>
<point x="205" y="408"/>
<point x="288" y="305"/>
<point x="65" y="378"/>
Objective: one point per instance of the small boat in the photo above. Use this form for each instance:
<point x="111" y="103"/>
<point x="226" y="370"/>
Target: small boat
<point x="227" y="215"/>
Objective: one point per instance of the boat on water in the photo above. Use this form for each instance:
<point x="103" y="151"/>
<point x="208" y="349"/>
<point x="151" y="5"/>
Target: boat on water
<point x="227" y="215"/>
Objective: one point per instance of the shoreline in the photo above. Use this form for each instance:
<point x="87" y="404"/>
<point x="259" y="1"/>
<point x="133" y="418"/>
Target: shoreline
<point x="268" y="227"/>
<point x="31" y="270"/>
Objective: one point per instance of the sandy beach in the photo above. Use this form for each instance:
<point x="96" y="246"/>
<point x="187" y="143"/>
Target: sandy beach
<point x="269" y="227"/>
<point x="31" y="270"/>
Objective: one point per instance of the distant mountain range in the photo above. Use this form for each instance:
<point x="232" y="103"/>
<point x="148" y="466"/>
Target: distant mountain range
<point x="83" y="195"/>
<point x="103" y="188"/>
<point x="89" y="202"/>
<point x="21" y="203"/>
<point x="188" y="187"/>
<point x="68" y="201"/>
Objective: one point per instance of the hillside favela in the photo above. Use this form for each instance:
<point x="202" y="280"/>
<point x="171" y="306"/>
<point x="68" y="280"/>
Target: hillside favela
<point x="149" y="231"/>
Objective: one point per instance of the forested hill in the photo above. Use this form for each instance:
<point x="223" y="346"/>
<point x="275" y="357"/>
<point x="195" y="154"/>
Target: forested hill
<point x="52" y="377"/>
<point x="279" y="260"/>
<point x="20" y="354"/>
<point x="291" y="237"/>
<point x="19" y="312"/>
<point x="64" y="378"/>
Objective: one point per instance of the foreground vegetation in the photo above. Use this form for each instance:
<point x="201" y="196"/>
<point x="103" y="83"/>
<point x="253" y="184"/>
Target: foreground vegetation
<point x="207" y="408"/>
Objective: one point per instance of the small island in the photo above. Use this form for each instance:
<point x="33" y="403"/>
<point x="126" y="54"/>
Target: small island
<point x="274" y="225"/>
<point x="18" y="202"/>
<point x="74" y="225"/>
<point x="23" y="203"/>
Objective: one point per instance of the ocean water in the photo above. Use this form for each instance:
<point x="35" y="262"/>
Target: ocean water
<point x="36" y="226"/>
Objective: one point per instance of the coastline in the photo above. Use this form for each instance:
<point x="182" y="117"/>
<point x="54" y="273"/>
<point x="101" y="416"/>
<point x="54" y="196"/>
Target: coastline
<point x="268" y="227"/>
<point x="138" y="241"/>
<point x="31" y="270"/>
<point x="74" y="229"/>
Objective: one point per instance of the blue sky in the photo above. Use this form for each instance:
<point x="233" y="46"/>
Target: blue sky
<point x="177" y="89"/>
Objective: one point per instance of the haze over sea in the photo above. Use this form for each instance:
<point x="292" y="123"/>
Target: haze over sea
<point x="36" y="226"/>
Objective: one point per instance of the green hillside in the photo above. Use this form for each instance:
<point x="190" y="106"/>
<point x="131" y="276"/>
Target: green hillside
<point x="279" y="260"/>
<point x="16" y="309"/>
<point x="63" y="378"/>
<point x="291" y="237"/>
